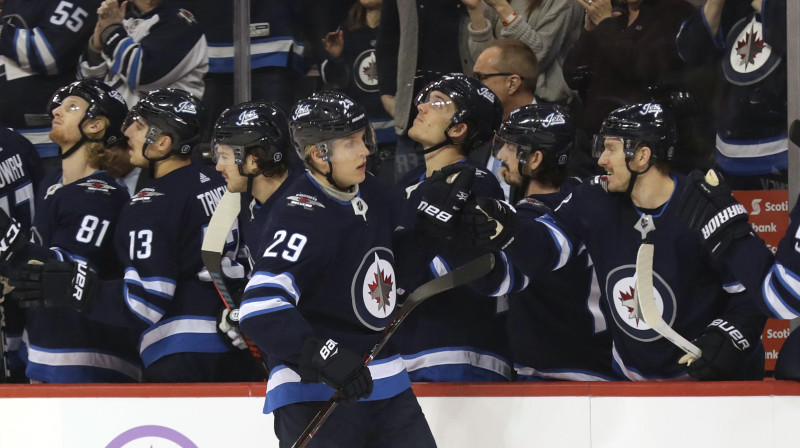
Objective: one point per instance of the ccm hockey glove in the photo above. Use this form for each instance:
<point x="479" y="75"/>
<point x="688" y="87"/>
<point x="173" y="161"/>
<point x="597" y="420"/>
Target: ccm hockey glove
<point x="54" y="283"/>
<point x="447" y="191"/>
<point x="708" y="207"/>
<point x="337" y="367"/>
<point x="12" y="236"/>
<point x="488" y="223"/>
<point x="726" y="344"/>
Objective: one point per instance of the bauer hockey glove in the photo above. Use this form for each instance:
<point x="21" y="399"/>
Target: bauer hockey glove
<point x="708" y="207"/>
<point x="337" y="367"/>
<point x="726" y="344"/>
<point x="54" y="283"/>
<point x="488" y="223"/>
<point x="446" y="194"/>
<point x="228" y="326"/>
<point x="12" y="237"/>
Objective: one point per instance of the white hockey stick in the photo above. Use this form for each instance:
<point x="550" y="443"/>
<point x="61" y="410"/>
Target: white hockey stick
<point x="645" y="299"/>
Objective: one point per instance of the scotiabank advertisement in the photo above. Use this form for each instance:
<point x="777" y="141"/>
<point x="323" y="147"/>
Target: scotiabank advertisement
<point x="769" y="216"/>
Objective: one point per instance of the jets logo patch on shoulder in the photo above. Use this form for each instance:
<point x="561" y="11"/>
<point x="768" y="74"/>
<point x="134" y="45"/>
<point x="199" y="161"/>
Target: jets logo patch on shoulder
<point x="96" y="185"/>
<point x="145" y="195"/>
<point x="51" y="190"/>
<point x="187" y="16"/>
<point x="305" y="201"/>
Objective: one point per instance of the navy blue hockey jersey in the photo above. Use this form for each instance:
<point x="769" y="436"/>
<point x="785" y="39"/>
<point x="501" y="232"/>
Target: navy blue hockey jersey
<point x="458" y="335"/>
<point x="77" y="222"/>
<point x="781" y="287"/>
<point x="691" y="288"/>
<point x="253" y="217"/>
<point x="327" y="271"/>
<point x="555" y="326"/>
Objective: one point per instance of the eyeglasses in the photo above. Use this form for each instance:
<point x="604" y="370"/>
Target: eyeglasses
<point x="484" y="76"/>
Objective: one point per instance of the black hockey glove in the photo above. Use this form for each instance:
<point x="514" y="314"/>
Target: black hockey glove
<point x="54" y="283"/>
<point x="447" y="191"/>
<point x="228" y="328"/>
<point x="488" y="223"/>
<point x="12" y="236"/>
<point x="708" y="207"/>
<point x="337" y="367"/>
<point x="725" y="344"/>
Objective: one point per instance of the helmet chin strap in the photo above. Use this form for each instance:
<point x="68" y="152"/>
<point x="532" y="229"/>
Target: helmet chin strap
<point x="447" y="142"/>
<point x="634" y="176"/>
<point x="84" y="139"/>
<point x="152" y="162"/>
<point x="250" y="179"/>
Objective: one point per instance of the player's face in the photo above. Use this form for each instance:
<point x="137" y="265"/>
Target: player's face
<point x="349" y="159"/>
<point x="137" y="135"/>
<point x="612" y="160"/>
<point x="66" y="121"/>
<point x="226" y="164"/>
<point x="509" y="164"/>
<point x="435" y="113"/>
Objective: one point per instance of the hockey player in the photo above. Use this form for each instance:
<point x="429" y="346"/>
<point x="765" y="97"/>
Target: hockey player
<point x="325" y="287"/>
<point x="700" y="297"/>
<point x="77" y="213"/>
<point x="151" y="45"/>
<point x="458" y="335"/>
<point x="555" y="326"/>
<point x="166" y="293"/>
<point x="40" y="44"/>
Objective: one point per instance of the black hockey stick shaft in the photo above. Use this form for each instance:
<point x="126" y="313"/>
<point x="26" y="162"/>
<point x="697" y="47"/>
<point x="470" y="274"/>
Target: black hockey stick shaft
<point x="462" y="275"/>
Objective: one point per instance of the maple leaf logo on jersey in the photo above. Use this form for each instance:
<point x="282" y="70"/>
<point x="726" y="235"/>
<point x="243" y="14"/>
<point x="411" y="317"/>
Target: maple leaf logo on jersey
<point x="627" y="300"/>
<point x="749" y="48"/>
<point x="381" y="289"/>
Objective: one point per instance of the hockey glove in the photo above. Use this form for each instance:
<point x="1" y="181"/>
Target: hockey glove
<point x="54" y="283"/>
<point x="726" y="344"/>
<point x="228" y="326"/>
<point x="708" y="207"/>
<point x="12" y="236"/>
<point x="337" y="367"/>
<point x="489" y="224"/>
<point x="447" y="191"/>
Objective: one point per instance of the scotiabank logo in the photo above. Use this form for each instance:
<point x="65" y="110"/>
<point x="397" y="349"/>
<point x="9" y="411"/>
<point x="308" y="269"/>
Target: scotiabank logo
<point x="756" y="206"/>
<point x="151" y="436"/>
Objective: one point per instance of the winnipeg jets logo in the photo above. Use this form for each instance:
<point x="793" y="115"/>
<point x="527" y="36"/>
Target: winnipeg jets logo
<point x="117" y="96"/>
<point x="650" y="108"/>
<point x="750" y="51"/>
<point x="620" y="291"/>
<point x="366" y="77"/>
<point x="375" y="289"/>
<point x="486" y="93"/>
<point x="554" y="119"/>
<point x="247" y="117"/>
<point x="301" y="111"/>
<point x="186" y="107"/>
<point x="51" y="190"/>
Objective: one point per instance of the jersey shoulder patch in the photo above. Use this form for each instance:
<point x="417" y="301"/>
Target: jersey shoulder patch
<point x="94" y="185"/>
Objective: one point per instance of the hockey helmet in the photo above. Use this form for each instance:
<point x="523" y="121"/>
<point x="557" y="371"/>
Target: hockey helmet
<point x="537" y="127"/>
<point x="476" y="105"/>
<point x="103" y="102"/>
<point x="325" y="117"/>
<point x="645" y="123"/>
<point x="252" y="125"/>
<point x="172" y="112"/>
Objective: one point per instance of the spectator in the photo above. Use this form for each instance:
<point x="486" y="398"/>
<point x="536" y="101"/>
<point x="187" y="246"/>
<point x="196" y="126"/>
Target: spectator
<point x="78" y="211"/>
<point x="350" y="67"/>
<point x="547" y="27"/>
<point x="745" y="43"/>
<point x="54" y="33"/>
<point x="143" y="45"/>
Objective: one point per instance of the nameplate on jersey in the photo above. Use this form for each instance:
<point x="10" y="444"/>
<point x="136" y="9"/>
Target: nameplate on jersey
<point x="98" y="186"/>
<point x="620" y="289"/>
<point x="374" y="290"/>
<point x="750" y="59"/>
<point x="304" y="201"/>
<point x="145" y="195"/>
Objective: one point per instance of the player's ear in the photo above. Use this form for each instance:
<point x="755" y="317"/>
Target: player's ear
<point x="164" y="144"/>
<point x="250" y="164"/>
<point x="458" y="130"/>
<point x="642" y="156"/>
<point x="535" y="160"/>
<point x="94" y="126"/>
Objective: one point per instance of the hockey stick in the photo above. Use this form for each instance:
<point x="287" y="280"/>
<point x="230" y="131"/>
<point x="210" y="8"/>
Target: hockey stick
<point x="4" y="373"/>
<point x="462" y="275"/>
<point x="645" y="299"/>
<point x="213" y="247"/>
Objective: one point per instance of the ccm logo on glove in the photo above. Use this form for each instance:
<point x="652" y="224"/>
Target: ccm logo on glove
<point x="434" y="211"/>
<point x="738" y="339"/>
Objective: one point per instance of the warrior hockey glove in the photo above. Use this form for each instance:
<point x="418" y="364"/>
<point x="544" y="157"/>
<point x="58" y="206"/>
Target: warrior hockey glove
<point x="54" y="283"/>
<point x="488" y="223"/>
<point x="447" y="191"/>
<point x="337" y="367"/>
<point x="726" y="344"/>
<point x="708" y="207"/>
<point x="228" y="326"/>
<point x="12" y="236"/>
